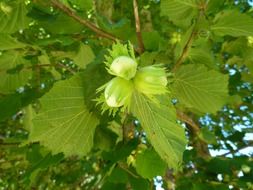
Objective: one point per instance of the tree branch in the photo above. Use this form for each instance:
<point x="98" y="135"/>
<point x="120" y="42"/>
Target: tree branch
<point x="236" y="150"/>
<point x="185" y="118"/>
<point x="82" y="21"/>
<point x="124" y="167"/>
<point x="187" y="45"/>
<point x="9" y="144"/>
<point x="138" y="27"/>
<point x="127" y="128"/>
<point x="200" y="145"/>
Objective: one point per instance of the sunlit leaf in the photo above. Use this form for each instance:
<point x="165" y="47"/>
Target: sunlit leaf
<point x="233" y="23"/>
<point x="13" y="16"/>
<point x="198" y="88"/>
<point x="159" y="122"/>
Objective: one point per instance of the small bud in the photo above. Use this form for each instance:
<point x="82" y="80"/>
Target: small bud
<point x="246" y="168"/>
<point x="5" y="8"/>
<point x="151" y="80"/>
<point x="118" y="92"/>
<point x="124" y="67"/>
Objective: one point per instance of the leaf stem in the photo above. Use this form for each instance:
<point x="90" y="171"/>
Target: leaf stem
<point x="122" y="166"/>
<point x="82" y="21"/>
<point x="138" y="28"/>
<point x="187" y="45"/>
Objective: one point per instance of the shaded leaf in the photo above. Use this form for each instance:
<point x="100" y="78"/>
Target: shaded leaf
<point x="61" y="24"/>
<point x="84" y="56"/>
<point x="118" y="176"/>
<point x="64" y="124"/>
<point x="207" y="136"/>
<point x="14" y="61"/>
<point x="150" y="158"/>
<point x="39" y="161"/>
<point x="7" y="43"/>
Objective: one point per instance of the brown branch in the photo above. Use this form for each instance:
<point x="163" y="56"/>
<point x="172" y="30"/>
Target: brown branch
<point x="187" y="45"/>
<point x="9" y="143"/>
<point x="200" y="145"/>
<point x="138" y="27"/>
<point x="127" y="128"/>
<point x="82" y="21"/>
<point x="236" y="150"/>
<point x="123" y="166"/>
<point x="60" y="65"/>
<point x="185" y="118"/>
<point x="65" y="67"/>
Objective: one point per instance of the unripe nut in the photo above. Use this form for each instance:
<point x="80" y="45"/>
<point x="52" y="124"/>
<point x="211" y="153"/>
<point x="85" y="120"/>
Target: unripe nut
<point x="151" y="80"/>
<point x="118" y="92"/>
<point x="123" y="66"/>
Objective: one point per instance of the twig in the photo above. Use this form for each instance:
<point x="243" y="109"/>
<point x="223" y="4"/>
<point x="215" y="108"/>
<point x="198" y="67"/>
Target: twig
<point x="235" y="151"/>
<point x="127" y="128"/>
<point x="187" y="45"/>
<point x="66" y="67"/>
<point x="82" y="21"/>
<point x="185" y="118"/>
<point x="2" y="94"/>
<point x="122" y="166"/>
<point x="138" y="27"/>
<point x="9" y="143"/>
<point x="200" y="145"/>
<point x="48" y="65"/>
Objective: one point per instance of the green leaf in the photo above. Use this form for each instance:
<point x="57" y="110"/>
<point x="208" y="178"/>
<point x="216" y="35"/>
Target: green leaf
<point x="104" y="138"/>
<point x="151" y="40"/>
<point x="233" y="23"/>
<point x="183" y="42"/>
<point x="83" y="4"/>
<point x="121" y="28"/>
<point x="199" y="88"/>
<point x="61" y="24"/>
<point x="39" y="159"/>
<point x="180" y="12"/>
<point x="118" y="176"/>
<point x="8" y="43"/>
<point x="64" y="124"/>
<point x="10" y="104"/>
<point x="159" y="122"/>
<point x="13" y="16"/>
<point x="14" y="102"/>
<point x="150" y="158"/>
<point x="10" y="81"/>
<point x="207" y="136"/>
<point x="214" y="5"/>
<point x="84" y="56"/>
<point x="138" y="183"/>
<point x="202" y="55"/>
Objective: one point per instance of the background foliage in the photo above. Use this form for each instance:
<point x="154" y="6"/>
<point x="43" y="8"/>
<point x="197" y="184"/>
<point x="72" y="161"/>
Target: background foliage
<point x="54" y="136"/>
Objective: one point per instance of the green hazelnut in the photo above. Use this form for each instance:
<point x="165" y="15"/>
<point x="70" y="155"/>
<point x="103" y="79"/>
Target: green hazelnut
<point x="151" y="80"/>
<point x="123" y="66"/>
<point x="118" y="92"/>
